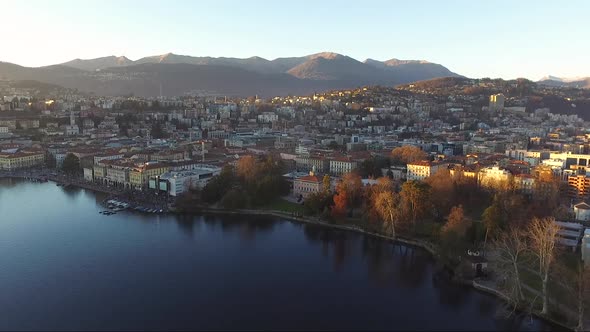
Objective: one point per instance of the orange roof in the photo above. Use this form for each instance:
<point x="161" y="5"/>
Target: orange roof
<point x="309" y="178"/>
<point x="426" y="163"/>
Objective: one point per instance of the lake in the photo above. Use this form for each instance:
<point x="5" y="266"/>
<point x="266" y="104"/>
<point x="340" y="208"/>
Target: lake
<point x="64" y="266"/>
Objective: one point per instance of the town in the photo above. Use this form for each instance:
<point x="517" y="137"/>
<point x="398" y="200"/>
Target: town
<point x="490" y="153"/>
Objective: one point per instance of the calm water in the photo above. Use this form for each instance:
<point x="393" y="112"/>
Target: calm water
<point x="65" y="266"/>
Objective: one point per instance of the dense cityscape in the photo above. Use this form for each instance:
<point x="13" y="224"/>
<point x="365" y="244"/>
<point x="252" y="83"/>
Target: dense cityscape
<point x="258" y="165"/>
<point x="458" y="165"/>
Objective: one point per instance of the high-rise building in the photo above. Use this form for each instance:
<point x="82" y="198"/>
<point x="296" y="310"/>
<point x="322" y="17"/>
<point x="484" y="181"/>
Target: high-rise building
<point x="496" y="102"/>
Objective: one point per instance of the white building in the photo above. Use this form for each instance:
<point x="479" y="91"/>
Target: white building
<point x="341" y="166"/>
<point x="582" y="211"/>
<point x="420" y="170"/>
<point x="493" y="177"/>
<point x="72" y="129"/>
<point x="88" y="174"/>
<point x="307" y="185"/>
<point x="267" y="117"/>
<point x="496" y="102"/>
<point x="59" y="159"/>
<point x="181" y="181"/>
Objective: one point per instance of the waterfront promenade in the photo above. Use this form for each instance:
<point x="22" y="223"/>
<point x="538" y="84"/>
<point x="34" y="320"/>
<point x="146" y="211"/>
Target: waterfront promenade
<point x="133" y="197"/>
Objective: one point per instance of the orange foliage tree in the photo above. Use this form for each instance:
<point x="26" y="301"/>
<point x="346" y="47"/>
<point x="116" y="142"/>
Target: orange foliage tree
<point x="407" y="154"/>
<point x="340" y="204"/>
<point x="247" y="168"/>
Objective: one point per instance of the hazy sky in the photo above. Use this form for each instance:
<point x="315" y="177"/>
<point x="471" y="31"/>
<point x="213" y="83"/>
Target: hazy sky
<point x="508" y="39"/>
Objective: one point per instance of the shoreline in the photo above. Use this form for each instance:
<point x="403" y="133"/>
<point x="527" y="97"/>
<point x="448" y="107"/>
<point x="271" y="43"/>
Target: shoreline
<point x="313" y="221"/>
<point x="412" y="242"/>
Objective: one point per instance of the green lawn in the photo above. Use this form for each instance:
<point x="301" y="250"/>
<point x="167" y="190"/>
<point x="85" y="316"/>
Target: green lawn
<point x="280" y="204"/>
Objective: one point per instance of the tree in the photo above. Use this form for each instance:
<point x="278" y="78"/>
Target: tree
<point x="216" y="188"/>
<point x="247" y="169"/>
<point x="326" y="183"/>
<point x="415" y="196"/>
<point x="543" y="235"/>
<point x="157" y="131"/>
<point x="71" y="164"/>
<point x="407" y="154"/>
<point x="352" y="184"/>
<point x="340" y="204"/>
<point x="386" y="205"/>
<point x="456" y="222"/>
<point x="491" y="220"/>
<point x="233" y="199"/>
<point x="371" y="167"/>
<point x="312" y="203"/>
<point x="508" y="252"/>
<point x="442" y="191"/>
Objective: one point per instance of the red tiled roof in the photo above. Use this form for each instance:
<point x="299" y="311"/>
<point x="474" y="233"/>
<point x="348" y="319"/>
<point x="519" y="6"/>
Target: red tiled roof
<point x="309" y="178"/>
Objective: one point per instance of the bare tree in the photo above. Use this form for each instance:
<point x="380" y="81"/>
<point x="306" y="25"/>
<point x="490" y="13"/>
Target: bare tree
<point x="507" y="253"/>
<point x="543" y="235"/>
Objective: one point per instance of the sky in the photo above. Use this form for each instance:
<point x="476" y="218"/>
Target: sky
<point x="506" y="39"/>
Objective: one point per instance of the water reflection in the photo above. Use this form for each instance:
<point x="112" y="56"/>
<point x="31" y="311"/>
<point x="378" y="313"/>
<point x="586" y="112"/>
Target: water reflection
<point x="245" y="226"/>
<point x="167" y="272"/>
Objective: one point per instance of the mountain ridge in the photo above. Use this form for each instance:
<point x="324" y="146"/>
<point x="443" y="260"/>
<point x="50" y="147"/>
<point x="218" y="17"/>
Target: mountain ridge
<point x="306" y="74"/>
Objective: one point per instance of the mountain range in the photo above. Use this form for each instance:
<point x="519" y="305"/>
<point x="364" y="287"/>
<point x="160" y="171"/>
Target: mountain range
<point x="172" y="74"/>
<point x="573" y="82"/>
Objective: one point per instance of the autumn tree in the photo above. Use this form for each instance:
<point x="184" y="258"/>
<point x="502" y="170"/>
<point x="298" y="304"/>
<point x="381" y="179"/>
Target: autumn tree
<point x="352" y="184"/>
<point x="384" y="184"/>
<point x="453" y="234"/>
<point x="407" y="154"/>
<point x="386" y="205"/>
<point x="547" y="188"/>
<point x="340" y="204"/>
<point x="247" y="169"/>
<point x="415" y="199"/>
<point x="543" y="235"/>
<point x="442" y="191"/>
<point x="456" y="222"/>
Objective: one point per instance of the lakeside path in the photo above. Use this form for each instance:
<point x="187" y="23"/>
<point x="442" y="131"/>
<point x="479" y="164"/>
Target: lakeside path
<point x="489" y="287"/>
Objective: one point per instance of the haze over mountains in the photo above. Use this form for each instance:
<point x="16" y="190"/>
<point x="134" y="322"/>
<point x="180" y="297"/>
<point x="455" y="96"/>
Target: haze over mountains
<point x="180" y="74"/>
<point x="572" y="82"/>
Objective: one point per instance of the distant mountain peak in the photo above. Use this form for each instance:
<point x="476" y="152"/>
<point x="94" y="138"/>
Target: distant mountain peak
<point x="551" y="78"/>
<point x="253" y="75"/>
<point x="562" y="79"/>
<point x="98" y="63"/>
<point x="395" y="62"/>
<point x="326" y="55"/>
